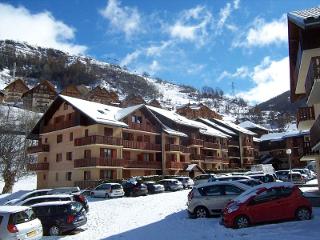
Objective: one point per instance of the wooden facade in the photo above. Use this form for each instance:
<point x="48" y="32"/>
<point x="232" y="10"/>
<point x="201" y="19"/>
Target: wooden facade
<point x="194" y="111"/>
<point x="131" y="100"/>
<point x="39" y="97"/>
<point x="101" y="95"/>
<point x="14" y="91"/>
<point x="155" y="103"/>
<point x="78" y="91"/>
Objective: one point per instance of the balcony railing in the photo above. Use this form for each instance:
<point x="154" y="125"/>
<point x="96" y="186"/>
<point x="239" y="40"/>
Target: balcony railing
<point x="38" y="166"/>
<point x="307" y="149"/>
<point x="305" y="114"/>
<point x="141" y="164"/>
<point x="96" y="139"/>
<point x="141" y="145"/>
<point x="95" y="162"/>
<point x="141" y="127"/>
<point x="212" y="159"/>
<point x="315" y="133"/>
<point x="38" y="148"/>
<point x="176" y="165"/>
<point x="177" y="148"/>
<point x="197" y="142"/>
<point x="211" y="145"/>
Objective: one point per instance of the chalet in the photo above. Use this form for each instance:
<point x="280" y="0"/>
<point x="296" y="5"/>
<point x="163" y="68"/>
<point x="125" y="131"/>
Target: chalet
<point x="131" y="100"/>
<point x="194" y="111"/>
<point x="14" y="91"/>
<point x="78" y="91"/>
<point x="102" y="95"/>
<point x="304" y="59"/>
<point x="240" y="146"/>
<point x="80" y="142"/>
<point x="253" y="127"/>
<point x="273" y="148"/>
<point x="155" y="103"/>
<point x="39" y="97"/>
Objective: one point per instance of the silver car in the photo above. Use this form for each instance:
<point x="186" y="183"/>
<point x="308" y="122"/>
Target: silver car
<point x="203" y="178"/>
<point x="186" y="181"/>
<point x="210" y="198"/>
<point x="108" y="190"/>
<point x="18" y="222"/>
<point x="27" y="195"/>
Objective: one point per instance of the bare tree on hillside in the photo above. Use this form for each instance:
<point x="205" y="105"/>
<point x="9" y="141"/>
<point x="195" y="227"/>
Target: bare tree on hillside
<point x="13" y="145"/>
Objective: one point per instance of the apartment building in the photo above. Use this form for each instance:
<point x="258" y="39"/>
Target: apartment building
<point x="194" y="111"/>
<point x="81" y="142"/>
<point x="241" y="147"/>
<point x="304" y="58"/>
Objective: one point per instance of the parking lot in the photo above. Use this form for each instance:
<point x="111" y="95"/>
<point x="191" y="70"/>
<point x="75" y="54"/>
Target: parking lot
<point x="163" y="216"/>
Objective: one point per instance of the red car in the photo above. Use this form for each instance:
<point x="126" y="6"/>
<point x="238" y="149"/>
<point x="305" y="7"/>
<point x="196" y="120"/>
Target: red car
<point x="266" y="203"/>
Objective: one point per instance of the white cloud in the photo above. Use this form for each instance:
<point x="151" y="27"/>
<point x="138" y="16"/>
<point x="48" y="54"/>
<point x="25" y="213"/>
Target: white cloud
<point x="125" y="19"/>
<point x="262" y="33"/>
<point x="236" y="4"/>
<point x="154" y="67"/>
<point x="192" y="25"/>
<point x="241" y="72"/>
<point x="40" y="29"/>
<point x="156" y="50"/>
<point x="224" y="14"/>
<point x="270" y="77"/>
<point x="129" y="58"/>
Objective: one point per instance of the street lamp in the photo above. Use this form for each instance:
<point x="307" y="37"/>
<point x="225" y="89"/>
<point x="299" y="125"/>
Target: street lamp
<point x="288" y="152"/>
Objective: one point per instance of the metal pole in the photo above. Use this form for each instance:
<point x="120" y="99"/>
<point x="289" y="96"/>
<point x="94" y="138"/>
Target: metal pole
<point x="290" y="167"/>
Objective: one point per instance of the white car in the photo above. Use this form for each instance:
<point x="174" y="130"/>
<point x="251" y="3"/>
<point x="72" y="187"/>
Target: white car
<point x="210" y="198"/>
<point x="108" y="190"/>
<point x="18" y="222"/>
<point x="45" y="198"/>
<point x="186" y="181"/>
<point x="25" y="196"/>
<point x="202" y="178"/>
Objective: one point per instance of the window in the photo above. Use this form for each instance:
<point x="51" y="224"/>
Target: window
<point x="136" y="119"/>
<point x="69" y="117"/>
<point x="65" y="106"/>
<point x="68" y="176"/>
<point x="108" y="132"/>
<point x="87" y="153"/>
<point x="106" y="153"/>
<point x="46" y="140"/>
<point x="69" y="156"/>
<point x="45" y="159"/>
<point x="266" y="196"/>
<point x="211" y="191"/>
<point x="86" y="175"/>
<point x="44" y="176"/>
<point x="86" y="133"/>
<point x="105" y="174"/>
<point x="57" y="177"/>
<point x="146" y="157"/>
<point x="58" y="157"/>
<point x="59" y="138"/>
<point x="232" y="190"/>
<point x="71" y="136"/>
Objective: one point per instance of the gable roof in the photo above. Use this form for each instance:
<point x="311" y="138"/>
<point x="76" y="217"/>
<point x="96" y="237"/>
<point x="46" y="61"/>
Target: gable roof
<point x="42" y="82"/>
<point x="217" y="126"/>
<point x="252" y="125"/>
<point x="234" y="127"/>
<point x="305" y="18"/>
<point x="15" y="82"/>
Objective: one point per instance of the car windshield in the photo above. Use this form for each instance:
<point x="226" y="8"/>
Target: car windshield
<point x="22" y="217"/>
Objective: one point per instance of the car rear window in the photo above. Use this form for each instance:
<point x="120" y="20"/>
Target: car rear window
<point x="116" y="186"/>
<point x="22" y="217"/>
<point x="76" y="207"/>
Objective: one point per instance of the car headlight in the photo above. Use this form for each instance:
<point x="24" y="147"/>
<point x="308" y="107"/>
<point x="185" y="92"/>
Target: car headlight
<point x="232" y="208"/>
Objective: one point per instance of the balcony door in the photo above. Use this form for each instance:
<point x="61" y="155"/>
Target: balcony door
<point x="108" y="153"/>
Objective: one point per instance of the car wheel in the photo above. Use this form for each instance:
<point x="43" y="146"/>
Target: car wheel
<point x="201" y="212"/>
<point x="241" y="222"/>
<point x="303" y="213"/>
<point x="54" y="231"/>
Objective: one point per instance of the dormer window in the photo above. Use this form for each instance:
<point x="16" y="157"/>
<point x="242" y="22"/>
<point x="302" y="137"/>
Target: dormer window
<point x="136" y="119"/>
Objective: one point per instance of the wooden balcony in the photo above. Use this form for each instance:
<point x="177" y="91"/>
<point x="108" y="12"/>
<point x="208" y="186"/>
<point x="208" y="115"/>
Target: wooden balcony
<point x="315" y="134"/>
<point x="176" y="165"/>
<point x="38" y="167"/>
<point x="212" y="159"/>
<point x="197" y="157"/>
<point x="74" y="121"/>
<point x="38" y="148"/>
<point x="234" y="153"/>
<point x="305" y="114"/>
<point x="211" y="145"/>
<point x="142" y="127"/>
<point x="312" y="84"/>
<point x="197" y="142"/>
<point x="96" y="139"/>
<point x="177" y="148"/>
<point x="233" y="143"/>
<point x="141" y="145"/>
<point x="141" y="164"/>
<point x="97" y="162"/>
<point x="307" y="151"/>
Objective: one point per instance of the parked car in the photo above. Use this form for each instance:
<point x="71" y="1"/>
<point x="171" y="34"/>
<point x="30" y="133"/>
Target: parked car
<point x="134" y="189"/>
<point x="265" y="203"/>
<point x="296" y="178"/>
<point x="108" y="190"/>
<point x="210" y="198"/>
<point x="171" y="184"/>
<point x="18" y="222"/>
<point x="282" y="175"/>
<point x="263" y="177"/>
<point x="54" y="198"/>
<point x="250" y="182"/>
<point x="202" y="178"/>
<point x="65" y="190"/>
<point x="154" y="187"/>
<point x="25" y="196"/>
<point x="306" y="173"/>
<point x="229" y="178"/>
<point x="187" y="182"/>
<point x="60" y="217"/>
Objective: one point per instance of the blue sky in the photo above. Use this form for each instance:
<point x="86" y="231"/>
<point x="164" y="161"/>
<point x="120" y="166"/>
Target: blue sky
<point x="198" y="43"/>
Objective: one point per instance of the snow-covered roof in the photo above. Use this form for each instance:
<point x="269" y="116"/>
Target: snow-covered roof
<point x="251" y="125"/>
<point x="256" y="139"/>
<point x="174" y="132"/>
<point x="190" y="167"/>
<point x="207" y="130"/>
<point x="235" y="127"/>
<point x="282" y="135"/>
<point x="100" y="113"/>
<point x="217" y="126"/>
<point x="123" y="112"/>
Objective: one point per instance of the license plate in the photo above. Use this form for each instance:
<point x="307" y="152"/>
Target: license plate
<point x="31" y="234"/>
